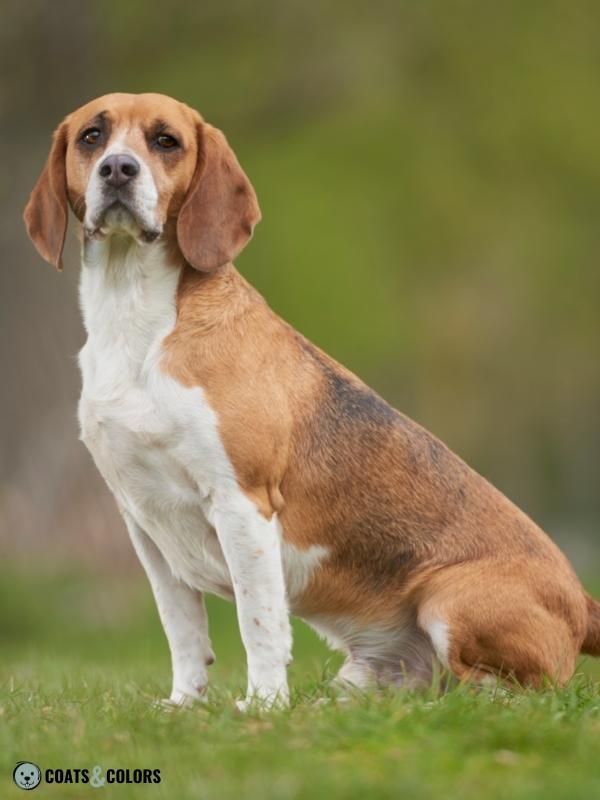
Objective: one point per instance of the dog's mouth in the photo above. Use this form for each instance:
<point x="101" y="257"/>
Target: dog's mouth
<point x="119" y="215"/>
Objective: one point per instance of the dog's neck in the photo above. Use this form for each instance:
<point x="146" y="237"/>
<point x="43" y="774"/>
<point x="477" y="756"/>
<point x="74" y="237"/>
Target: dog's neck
<point x="133" y="292"/>
<point x="128" y="293"/>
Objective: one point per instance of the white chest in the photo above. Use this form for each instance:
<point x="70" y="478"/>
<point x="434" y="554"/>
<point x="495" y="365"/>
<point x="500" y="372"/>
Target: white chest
<point x="155" y="442"/>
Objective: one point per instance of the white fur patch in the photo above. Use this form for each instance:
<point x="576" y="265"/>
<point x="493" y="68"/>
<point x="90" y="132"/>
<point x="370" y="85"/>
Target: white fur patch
<point x="440" y="638"/>
<point x="401" y="654"/>
<point x="299" y="566"/>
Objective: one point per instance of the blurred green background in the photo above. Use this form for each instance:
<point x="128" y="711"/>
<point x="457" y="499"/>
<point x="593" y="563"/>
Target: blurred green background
<point x="429" y="175"/>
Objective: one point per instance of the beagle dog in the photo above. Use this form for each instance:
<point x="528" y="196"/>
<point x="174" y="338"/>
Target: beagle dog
<point x="249" y="464"/>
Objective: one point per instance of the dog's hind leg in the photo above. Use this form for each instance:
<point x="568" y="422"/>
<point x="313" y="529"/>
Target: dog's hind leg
<point x="505" y="621"/>
<point x="401" y="655"/>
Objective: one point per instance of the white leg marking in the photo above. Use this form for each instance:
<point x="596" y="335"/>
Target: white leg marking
<point x="184" y="620"/>
<point x="252" y="549"/>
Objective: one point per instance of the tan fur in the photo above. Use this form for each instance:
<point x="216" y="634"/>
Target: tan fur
<point x="220" y="210"/>
<point x="410" y="527"/>
<point x="46" y="213"/>
<point x="591" y="644"/>
<point x="411" y="531"/>
<point x="206" y="202"/>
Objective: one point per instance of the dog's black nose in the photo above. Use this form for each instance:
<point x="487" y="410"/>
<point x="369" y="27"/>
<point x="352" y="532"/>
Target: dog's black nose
<point x="117" y="170"/>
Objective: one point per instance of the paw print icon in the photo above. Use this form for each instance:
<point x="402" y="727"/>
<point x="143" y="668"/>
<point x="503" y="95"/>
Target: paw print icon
<point x="27" y="775"/>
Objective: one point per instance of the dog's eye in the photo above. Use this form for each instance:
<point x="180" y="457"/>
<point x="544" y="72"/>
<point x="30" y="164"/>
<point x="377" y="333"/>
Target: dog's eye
<point x="91" y="136"/>
<point x="166" y="142"/>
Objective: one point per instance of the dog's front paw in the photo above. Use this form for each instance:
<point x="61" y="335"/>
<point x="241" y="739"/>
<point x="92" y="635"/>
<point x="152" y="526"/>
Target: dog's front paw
<point x="166" y="704"/>
<point x="182" y="698"/>
<point x="264" y="700"/>
<point x="260" y="704"/>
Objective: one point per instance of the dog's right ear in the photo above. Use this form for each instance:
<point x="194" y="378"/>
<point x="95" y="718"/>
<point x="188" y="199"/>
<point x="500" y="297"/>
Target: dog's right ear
<point x="46" y="213"/>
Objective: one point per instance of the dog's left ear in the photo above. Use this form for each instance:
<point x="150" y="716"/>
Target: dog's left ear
<point x="46" y="213"/>
<point x="220" y="211"/>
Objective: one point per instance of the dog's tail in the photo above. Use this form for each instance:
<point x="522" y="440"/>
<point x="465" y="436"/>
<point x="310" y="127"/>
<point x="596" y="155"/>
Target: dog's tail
<point x="591" y="643"/>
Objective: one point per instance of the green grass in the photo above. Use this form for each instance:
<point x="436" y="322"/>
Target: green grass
<point x="83" y="659"/>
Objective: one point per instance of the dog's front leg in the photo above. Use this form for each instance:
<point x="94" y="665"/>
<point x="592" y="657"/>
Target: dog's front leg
<point x="183" y="616"/>
<point x="252" y="549"/>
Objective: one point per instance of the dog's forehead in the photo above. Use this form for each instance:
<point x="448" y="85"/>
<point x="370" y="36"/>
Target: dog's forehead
<point x="135" y="110"/>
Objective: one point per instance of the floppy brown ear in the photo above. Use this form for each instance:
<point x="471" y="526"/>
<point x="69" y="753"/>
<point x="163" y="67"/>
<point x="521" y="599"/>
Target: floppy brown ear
<point x="220" y="211"/>
<point x="46" y="213"/>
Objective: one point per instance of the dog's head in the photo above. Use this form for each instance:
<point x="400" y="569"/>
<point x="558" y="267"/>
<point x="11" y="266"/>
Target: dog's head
<point x="133" y="164"/>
